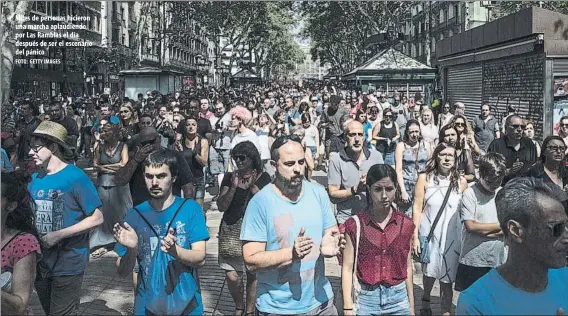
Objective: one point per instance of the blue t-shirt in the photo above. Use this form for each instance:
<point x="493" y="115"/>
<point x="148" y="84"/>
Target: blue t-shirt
<point x="5" y="161"/>
<point x="62" y="200"/>
<point x="368" y="126"/>
<point x="190" y="228"/>
<point x="492" y="295"/>
<point x="301" y="286"/>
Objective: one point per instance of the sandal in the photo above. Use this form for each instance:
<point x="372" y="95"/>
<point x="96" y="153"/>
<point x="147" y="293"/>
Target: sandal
<point x="99" y="253"/>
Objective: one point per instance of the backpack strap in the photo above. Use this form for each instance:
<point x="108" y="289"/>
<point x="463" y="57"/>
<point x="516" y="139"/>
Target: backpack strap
<point x="171" y="221"/>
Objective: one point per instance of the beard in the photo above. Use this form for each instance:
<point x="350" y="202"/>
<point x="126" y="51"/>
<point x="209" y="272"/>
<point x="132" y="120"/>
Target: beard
<point x="292" y="188"/>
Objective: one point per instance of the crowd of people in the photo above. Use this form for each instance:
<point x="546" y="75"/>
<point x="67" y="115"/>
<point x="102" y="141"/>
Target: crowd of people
<point x="481" y="204"/>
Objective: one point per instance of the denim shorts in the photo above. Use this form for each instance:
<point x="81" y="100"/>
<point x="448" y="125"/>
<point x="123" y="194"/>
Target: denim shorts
<point x="389" y="158"/>
<point x="200" y="188"/>
<point x="383" y="300"/>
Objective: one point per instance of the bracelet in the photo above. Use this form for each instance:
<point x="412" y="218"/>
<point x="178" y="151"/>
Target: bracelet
<point x="348" y="309"/>
<point x="353" y="191"/>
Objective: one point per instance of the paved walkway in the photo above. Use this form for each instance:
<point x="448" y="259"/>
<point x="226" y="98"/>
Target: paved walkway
<point x="105" y="293"/>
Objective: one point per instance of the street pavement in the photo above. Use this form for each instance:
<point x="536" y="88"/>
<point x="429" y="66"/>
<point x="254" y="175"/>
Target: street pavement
<point x="105" y="293"/>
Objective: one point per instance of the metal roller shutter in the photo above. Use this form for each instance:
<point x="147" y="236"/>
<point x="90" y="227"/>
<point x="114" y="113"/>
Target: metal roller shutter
<point x="517" y="82"/>
<point x="560" y="66"/>
<point x="464" y="84"/>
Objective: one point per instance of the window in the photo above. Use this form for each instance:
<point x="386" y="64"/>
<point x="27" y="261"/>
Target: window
<point x="442" y="16"/>
<point x="122" y="14"/>
<point x="433" y="41"/>
<point x="419" y="49"/>
<point x="41" y="6"/>
<point x="451" y="12"/>
<point x="450" y="33"/>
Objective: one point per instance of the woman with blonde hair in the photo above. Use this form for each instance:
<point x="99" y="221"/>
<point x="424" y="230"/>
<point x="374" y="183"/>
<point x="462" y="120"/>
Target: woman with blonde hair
<point x="428" y="129"/>
<point x="129" y="120"/>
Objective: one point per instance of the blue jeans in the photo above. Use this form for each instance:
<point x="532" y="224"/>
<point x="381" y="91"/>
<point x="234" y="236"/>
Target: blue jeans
<point x="381" y="300"/>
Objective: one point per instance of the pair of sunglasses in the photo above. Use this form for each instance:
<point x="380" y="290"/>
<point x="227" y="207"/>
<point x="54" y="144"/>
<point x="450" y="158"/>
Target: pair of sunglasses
<point x="280" y="141"/>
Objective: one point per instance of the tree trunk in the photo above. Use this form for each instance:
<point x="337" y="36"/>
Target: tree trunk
<point x="13" y="14"/>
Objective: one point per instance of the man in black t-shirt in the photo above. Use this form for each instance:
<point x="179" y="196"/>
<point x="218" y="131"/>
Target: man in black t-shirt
<point x="133" y="172"/>
<point x="57" y="116"/>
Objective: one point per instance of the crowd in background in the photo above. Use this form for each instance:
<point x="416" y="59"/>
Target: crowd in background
<point x="406" y="182"/>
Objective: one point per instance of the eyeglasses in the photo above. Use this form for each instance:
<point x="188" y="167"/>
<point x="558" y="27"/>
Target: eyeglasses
<point x="517" y="126"/>
<point x="563" y="125"/>
<point x="556" y="148"/>
<point x="558" y="227"/>
<point x="36" y="147"/>
<point x="240" y="157"/>
<point x="284" y="139"/>
<point x="459" y="124"/>
<point x="388" y="116"/>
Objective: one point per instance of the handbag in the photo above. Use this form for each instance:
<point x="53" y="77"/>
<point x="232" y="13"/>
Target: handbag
<point x="229" y="237"/>
<point x="171" y="286"/>
<point x="356" y="285"/>
<point x="424" y="241"/>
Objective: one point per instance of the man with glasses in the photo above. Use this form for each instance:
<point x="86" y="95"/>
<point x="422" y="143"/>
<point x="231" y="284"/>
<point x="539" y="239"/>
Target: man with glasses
<point x="287" y="230"/>
<point x="348" y="171"/>
<point x="519" y="151"/>
<point x="563" y="130"/>
<point x="485" y="127"/>
<point x="534" y="280"/>
<point x="68" y="207"/>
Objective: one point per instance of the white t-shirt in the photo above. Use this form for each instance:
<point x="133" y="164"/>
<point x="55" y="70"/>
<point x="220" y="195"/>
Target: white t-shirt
<point x="247" y="135"/>
<point x="310" y="136"/>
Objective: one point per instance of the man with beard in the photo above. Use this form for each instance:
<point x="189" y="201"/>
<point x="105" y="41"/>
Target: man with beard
<point x="57" y="115"/>
<point x="133" y="172"/>
<point x="287" y="230"/>
<point x="348" y="170"/>
<point x="164" y="222"/>
<point x="519" y="151"/>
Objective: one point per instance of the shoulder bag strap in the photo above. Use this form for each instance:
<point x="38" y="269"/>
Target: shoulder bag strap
<point x="437" y="219"/>
<point x="357" y="238"/>
<point x="446" y="198"/>
<point x="152" y="227"/>
<point x="175" y="214"/>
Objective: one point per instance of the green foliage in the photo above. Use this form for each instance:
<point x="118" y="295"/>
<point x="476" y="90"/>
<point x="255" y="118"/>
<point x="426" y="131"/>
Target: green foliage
<point x="509" y="7"/>
<point x="337" y="30"/>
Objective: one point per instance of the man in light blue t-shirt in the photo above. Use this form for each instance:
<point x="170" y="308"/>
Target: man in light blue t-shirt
<point x="287" y="230"/>
<point x="534" y="280"/>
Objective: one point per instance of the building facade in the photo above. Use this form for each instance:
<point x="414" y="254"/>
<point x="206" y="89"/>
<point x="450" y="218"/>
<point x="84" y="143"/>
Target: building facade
<point x="124" y="35"/>
<point x="430" y="22"/>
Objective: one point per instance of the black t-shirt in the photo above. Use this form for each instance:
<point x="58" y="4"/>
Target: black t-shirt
<point x="140" y="192"/>
<point x="70" y="125"/>
<point x="241" y="198"/>
<point x="203" y="127"/>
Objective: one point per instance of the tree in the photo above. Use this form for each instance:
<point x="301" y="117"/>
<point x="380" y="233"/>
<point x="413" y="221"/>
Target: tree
<point x="509" y="7"/>
<point x="338" y="30"/>
<point x="13" y="13"/>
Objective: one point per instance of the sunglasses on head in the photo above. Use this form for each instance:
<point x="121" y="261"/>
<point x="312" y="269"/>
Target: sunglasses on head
<point x="284" y="139"/>
<point x="558" y="227"/>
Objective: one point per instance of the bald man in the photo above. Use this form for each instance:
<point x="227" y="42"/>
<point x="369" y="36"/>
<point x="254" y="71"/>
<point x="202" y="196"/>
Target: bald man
<point x="133" y="172"/>
<point x="348" y="170"/>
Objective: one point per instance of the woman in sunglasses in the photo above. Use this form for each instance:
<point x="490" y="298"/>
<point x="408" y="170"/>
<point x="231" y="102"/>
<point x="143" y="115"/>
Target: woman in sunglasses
<point x="445" y="117"/>
<point x="237" y="189"/>
<point x="195" y="150"/>
<point x="465" y="134"/>
<point x="551" y="167"/>
<point x="386" y="134"/>
<point x="109" y="157"/>
<point x="466" y="168"/>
